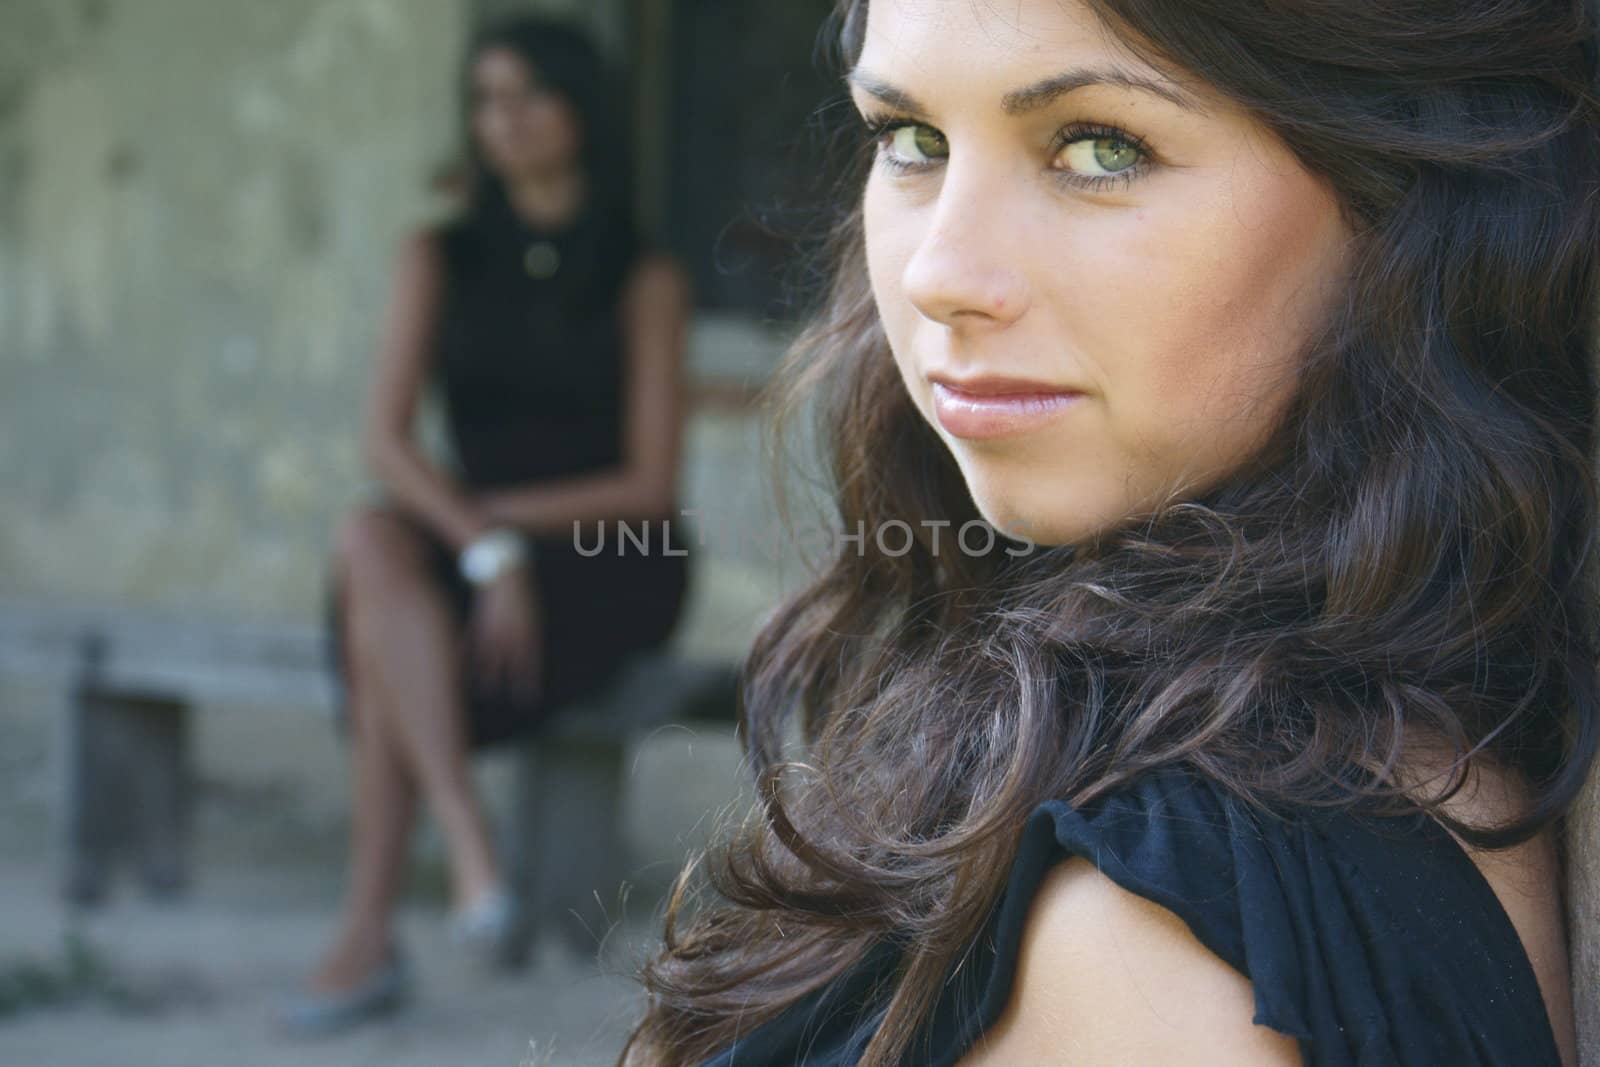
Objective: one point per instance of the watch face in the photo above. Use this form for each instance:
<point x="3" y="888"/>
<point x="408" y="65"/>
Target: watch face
<point x="487" y="557"/>
<point x="477" y="565"/>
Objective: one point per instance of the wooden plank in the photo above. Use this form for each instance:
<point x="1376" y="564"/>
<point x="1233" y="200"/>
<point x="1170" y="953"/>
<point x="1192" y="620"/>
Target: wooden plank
<point x="193" y="656"/>
<point x="649" y="691"/>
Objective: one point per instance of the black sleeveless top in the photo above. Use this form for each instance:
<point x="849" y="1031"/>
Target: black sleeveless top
<point x="1374" y="942"/>
<point x="529" y="362"/>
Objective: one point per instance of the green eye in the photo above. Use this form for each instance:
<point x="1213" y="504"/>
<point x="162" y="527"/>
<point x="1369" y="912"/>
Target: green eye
<point x="1098" y="157"/>
<point x="915" y="145"/>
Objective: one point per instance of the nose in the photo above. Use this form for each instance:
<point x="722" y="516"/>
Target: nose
<point x="965" y="270"/>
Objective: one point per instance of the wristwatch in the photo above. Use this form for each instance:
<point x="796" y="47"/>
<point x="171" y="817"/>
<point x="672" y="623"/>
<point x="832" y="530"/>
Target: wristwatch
<point x="491" y="554"/>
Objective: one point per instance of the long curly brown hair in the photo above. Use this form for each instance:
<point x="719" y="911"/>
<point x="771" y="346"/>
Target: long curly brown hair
<point x="1407" y="561"/>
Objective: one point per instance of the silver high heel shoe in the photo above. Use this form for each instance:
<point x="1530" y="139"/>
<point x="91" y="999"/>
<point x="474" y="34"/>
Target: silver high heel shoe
<point x="310" y="1014"/>
<point x="488" y="928"/>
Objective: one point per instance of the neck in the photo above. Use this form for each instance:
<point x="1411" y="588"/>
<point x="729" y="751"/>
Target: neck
<point x="549" y="199"/>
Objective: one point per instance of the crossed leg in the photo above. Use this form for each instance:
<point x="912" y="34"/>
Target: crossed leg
<point x="408" y="737"/>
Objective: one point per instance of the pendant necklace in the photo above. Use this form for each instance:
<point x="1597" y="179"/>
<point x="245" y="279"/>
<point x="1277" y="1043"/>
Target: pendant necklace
<point x="542" y="260"/>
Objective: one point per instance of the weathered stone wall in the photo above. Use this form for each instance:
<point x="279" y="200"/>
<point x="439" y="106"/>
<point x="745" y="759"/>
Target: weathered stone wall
<point x="198" y="202"/>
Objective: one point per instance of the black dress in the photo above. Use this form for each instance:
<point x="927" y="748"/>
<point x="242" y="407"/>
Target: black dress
<point x="1374" y="942"/>
<point x="529" y="365"/>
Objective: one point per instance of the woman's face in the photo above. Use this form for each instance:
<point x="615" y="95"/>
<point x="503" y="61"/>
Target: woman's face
<point x="1096" y="292"/>
<point x="523" y="129"/>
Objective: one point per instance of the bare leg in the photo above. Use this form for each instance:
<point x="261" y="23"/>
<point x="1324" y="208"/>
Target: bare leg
<point x="383" y="803"/>
<point x="405" y="647"/>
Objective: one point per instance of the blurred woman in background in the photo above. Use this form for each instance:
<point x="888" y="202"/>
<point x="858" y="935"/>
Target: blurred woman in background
<point x="464" y="612"/>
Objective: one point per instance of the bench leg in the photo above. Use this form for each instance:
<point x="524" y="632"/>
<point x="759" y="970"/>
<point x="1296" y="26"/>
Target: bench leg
<point x="567" y="851"/>
<point x="126" y="794"/>
<point x="88" y="801"/>
<point x="161" y="793"/>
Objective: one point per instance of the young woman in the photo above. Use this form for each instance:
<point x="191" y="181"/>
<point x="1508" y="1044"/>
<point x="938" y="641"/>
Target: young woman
<point x="1262" y="333"/>
<point x="467" y="609"/>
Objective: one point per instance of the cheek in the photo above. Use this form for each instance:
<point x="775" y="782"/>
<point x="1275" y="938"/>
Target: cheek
<point x="884" y="263"/>
<point x="553" y="123"/>
<point x="890" y="242"/>
<point x="1199" y="310"/>
<point x="497" y="133"/>
<point x="482" y="131"/>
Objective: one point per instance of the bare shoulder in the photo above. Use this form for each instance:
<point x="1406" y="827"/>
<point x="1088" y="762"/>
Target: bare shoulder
<point x="417" y="274"/>
<point x="420" y="250"/>
<point x="1106" y="976"/>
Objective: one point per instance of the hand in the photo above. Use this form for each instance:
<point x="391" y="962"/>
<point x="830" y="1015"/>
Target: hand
<point x="472" y="523"/>
<point x="491" y="508"/>
<point x="507" y="635"/>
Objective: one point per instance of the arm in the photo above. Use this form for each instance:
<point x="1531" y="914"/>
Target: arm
<point x="655" y="310"/>
<point x="402" y="365"/>
<point x="1107" y="977"/>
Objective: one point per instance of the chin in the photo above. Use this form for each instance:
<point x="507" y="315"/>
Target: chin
<point x="1045" y="511"/>
<point x="1024" y="513"/>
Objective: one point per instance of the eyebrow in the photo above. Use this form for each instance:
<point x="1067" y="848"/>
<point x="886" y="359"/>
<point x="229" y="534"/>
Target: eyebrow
<point x="1043" y="93"/>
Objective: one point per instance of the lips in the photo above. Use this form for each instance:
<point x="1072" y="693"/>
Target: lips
<point x="983" y="409"/>
<point x="998" y="385"/>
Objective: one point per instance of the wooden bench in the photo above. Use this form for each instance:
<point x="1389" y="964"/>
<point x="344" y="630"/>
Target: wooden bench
<point x="126" y="685"/>
<point x="565" y="847"/>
